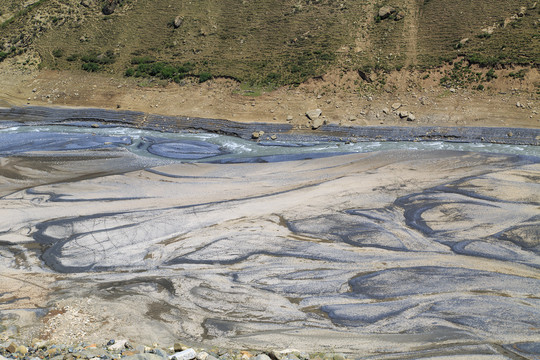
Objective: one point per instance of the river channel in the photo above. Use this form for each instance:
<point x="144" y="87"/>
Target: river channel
<point x="377" y="249"/>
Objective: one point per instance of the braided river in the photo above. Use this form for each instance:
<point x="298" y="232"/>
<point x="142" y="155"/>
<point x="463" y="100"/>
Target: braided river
<point x="380" y="250"/>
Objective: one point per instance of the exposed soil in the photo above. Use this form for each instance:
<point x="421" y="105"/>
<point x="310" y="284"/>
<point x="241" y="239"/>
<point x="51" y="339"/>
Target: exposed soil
<point x="344" y="98"/>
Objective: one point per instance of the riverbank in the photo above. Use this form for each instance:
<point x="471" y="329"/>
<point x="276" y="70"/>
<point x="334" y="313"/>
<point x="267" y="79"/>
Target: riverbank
<point x="265" y="132"/>
<point x="342" y="98"/>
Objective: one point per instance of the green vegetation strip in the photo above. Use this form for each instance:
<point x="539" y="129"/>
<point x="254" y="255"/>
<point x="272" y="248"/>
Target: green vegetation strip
<point x="148" y="67"/>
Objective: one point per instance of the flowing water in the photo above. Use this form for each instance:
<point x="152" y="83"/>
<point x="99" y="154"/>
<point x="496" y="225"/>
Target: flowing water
<point x="390" y="250"/>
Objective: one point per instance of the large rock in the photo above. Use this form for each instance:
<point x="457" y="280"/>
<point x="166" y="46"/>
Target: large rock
<point x="317" y="123"/>
<point x="313" y="114"/>
<point x="386" y="11"/>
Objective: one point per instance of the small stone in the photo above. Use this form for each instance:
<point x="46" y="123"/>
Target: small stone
<point x="385" y="110"/>
<point x="273" y="137"/>
<point x="34" y="90"/>
<point x="510" y="134"/>
<point x="95" y="126"/>
<point x="179" y="346"/>
<point x="289" y="118"/>
<point x="117" y="345"/>
<point x="411" y="117"/>
<point x="262" y="357"/>
<point x="257" y="134"/>
<point x="178" y="21"/>
<point x="111" y="342"/>
<point x="162" y="354"/>
<point x="12" y="348"/>
<point x="184" y="355"/>
<point x="145" y="356"/>
<point x="403" y="114"/>
<point x="313" y="114"/>
<point x="203" y="355"/>
<point x="452" y="90"/>
<point x="395" y="106"/>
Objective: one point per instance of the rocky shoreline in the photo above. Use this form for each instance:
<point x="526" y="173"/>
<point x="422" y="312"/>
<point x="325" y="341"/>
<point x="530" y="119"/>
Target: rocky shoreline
<point x="39" y="115"/>
<point x="126" y="350"/>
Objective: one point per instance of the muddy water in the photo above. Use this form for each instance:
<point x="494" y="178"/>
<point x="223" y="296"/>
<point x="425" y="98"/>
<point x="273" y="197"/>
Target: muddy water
<point x="407" y="252"/>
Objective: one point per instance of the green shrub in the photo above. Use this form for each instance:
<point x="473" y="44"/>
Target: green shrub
<point x="107" y="58"/>
<point x="490" y="75"/>
<point x="480" y="87"/>
<point x="518" y="75"/>
<point x="91" y="66"/>
<point x="204" y="76"/>
<point x="130" y="72"/>
<point x="57" y="53"/>
<point x="142" y="60"/>
<point x="3" y="55"/>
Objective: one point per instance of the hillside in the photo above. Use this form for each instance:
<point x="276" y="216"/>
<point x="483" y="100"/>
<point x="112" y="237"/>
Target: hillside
<point x="267" y="41"/>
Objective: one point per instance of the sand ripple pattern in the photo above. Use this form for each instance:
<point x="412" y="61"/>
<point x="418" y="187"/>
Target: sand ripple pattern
<point x="409" y="253"/>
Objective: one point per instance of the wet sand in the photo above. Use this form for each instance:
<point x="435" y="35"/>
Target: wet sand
<point x="406" y="254"/>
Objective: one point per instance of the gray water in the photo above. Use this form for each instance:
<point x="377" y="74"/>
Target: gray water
<point x="209" y="147"/>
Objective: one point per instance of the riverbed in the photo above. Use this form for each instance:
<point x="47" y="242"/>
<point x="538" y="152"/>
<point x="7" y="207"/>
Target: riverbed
<point x="379" y="248"/>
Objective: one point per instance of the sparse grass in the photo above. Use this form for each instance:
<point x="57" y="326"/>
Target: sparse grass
<point x="519" y="74"/>
<point x="269" y="43"/>
<point x="23" y="12"/>
<point x="57" y="53"/>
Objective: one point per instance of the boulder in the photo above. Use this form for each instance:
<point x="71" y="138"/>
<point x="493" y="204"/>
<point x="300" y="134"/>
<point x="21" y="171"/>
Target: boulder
<point x="386" y="11"/>
<point x="317" y="123"/>
<point x="313" y="114"/>
<point x="400" y="15"/>
<point x="403" y="114"/>
<point x="396" y="106"/>
<point x="411" y="117"/>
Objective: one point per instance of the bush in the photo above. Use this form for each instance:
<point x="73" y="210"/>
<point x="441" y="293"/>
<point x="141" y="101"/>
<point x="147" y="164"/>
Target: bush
<point x="91" y="67"/>
<point x="204" y="76"/>
<point x="518" y="75"/>
<point x="103" y="59"/>
<point x="490" y="75"/>
<point x="58" y="53"/>
<point x="3" y="55"/>
<point x="129" y="72"/>
<point x="72" y="57"/>
<point x="484" y="61"/>
<point x="480" y="87"/>
<point x="142" y="60"/>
